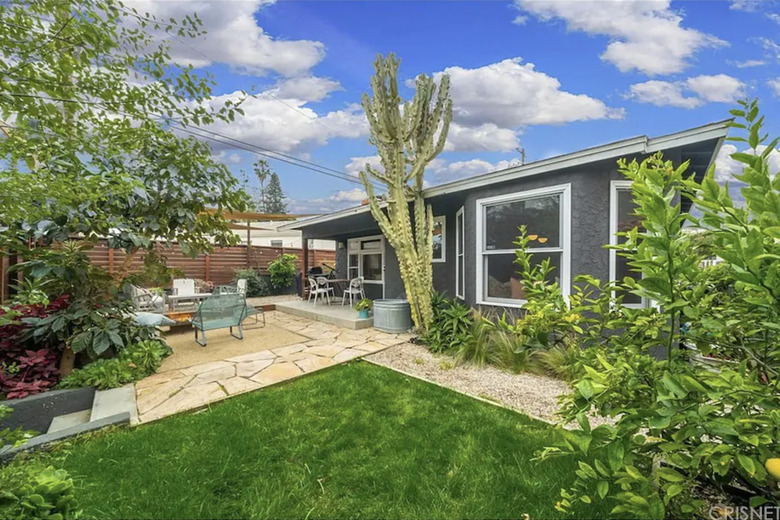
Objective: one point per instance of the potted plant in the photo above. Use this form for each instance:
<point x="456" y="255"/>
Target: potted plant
<point x="363" y="306"/>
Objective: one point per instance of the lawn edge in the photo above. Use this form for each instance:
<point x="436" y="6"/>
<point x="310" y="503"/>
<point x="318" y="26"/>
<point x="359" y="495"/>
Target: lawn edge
<point x="461" y="392"/>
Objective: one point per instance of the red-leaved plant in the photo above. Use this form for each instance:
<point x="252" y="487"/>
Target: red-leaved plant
<point x="24" y="369"/>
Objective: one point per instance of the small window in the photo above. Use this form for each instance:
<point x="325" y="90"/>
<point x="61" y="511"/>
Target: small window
<point x="277" y="243"/>
<point x="439" y="239"/>
<point x="460" y="266"/>
<point x="622" y="218"/>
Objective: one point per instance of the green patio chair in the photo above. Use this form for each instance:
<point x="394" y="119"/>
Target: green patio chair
<point x="220" y="311"/>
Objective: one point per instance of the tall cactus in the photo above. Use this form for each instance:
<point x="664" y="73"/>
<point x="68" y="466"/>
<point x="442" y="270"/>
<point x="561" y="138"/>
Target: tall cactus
<point x="407" y="140"/>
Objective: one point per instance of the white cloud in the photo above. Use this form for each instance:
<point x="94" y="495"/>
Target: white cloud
<point x="443" y="171"/>
<point x="493" y="103"/>
<point x="234" y="38"/>
<point x="774" y="17"/>
<point x="774" y="84"/>
<point x="745" y="5"/>
<point x="771" y="48"/>
<point x="726" y="167"/>
<point x="306" y="89"/>
<point x="719" y="88"/>
<point x="356" y="164"/>
<point x="482" y="138"/>
<point x="339" y="200"/>
<point x="690" y="93"/>
<point x="286" y="124"/>
<point x="645" y="35"/>
<point x="747" y="63"/>
<point x="227" y="158"/>
<point x="662" y="93"/>
<point x="439" y="170"/>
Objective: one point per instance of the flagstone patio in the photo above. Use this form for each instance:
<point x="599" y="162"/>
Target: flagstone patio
<point x="174" y="391"/>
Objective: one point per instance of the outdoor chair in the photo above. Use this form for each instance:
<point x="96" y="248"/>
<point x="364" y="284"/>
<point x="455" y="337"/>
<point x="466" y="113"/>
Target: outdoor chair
<point x="315" y="290"/>
<point x="220" y="311"/>
<point x="145" y="300"/>
<point x="355" y="288"/>
<point x="240" y="288"/>
<point x="323" y="283"/>
<point x="184" y="287"/>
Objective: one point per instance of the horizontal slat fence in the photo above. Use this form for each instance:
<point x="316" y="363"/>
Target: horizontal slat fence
<point x="218" y="267"/>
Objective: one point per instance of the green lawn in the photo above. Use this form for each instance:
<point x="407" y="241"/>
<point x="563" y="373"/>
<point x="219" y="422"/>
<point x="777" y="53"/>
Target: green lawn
<point x="355" y="441"/>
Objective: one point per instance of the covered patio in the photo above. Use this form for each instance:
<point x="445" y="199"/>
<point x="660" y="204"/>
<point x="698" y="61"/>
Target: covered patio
<point x="342" y="316"/>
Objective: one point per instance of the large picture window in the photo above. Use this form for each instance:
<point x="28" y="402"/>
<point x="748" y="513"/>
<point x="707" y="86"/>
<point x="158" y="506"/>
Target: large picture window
<point x="545" y="213"/>
<point x="622" y="218"/>
<point x="439" y="239"/>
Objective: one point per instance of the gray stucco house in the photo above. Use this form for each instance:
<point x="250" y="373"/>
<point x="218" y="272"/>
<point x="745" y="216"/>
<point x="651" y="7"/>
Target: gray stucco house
<point x="573" y="203"/>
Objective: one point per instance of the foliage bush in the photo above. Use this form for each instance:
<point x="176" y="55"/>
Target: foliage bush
<point x="478" y="346"/>
<point x="99" y="330"/>
<point x="363" y="305"/>
<point x="155" y="272"/>
<point x="679" y="425"/>
<point x="65" y="269"/>
<point x="451" y="327"/>
<point x="282" y="271"/>
<point x="31" y="491"/>
<point x="136" y="362"/>
<point x="256" y="285"/>
<point x="27" y="367"/>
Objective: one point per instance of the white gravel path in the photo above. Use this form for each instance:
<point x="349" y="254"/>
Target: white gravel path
<point x="533" y="395"/>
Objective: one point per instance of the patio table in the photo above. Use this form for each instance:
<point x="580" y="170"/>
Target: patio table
<point x="196" y="298"/>
<point x="336" y="282"/>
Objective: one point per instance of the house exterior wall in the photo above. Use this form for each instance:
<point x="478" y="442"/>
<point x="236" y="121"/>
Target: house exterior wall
<point x="590" y="213"/>
<point x="589" y="228"/>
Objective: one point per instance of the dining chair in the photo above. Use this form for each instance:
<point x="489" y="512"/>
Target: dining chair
<point x="355" y="288"/>
<point x="324" y="283"/>
<point x="315" y="290"/>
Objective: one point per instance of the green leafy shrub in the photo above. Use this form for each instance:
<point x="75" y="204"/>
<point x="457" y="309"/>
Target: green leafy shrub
<point x="65" y="268"/>
<point x="256" y="285"/>
<point x="155" y="272"/>
<point x="132" y="364"/>
<point x="95" y="329"/>
<point x="560" y="361"/>
<point x="679" y="425"/>
<point x="451" y="327"/>
<point x="363" y="305"/>
<point x="282" y="271"/>
<point x="32" y="491"/>
<point x="478" y="347"/>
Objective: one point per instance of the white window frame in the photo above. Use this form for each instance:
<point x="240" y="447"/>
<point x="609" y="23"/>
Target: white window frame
<point x="360" y="252"/>
<point x="443" y="220"/>
<point x="277" y="243"/>
<point x="614" y="188"/>
<point x="564" y="190"/>
<point x="460" y="234"/>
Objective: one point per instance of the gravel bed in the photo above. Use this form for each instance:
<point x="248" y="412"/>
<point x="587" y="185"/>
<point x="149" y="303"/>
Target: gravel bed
<point x="530" y="394"/>
<point x="264" y="300"/>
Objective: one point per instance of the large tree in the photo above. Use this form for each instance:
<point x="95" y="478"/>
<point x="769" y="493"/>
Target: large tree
<point x="274" y="197"/>
<point x="94" y="119"/>
<point x="408" y="136"/>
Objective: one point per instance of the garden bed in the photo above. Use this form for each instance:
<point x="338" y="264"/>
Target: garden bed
<point x="531" y="394"/>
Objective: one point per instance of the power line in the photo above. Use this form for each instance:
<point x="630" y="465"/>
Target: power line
<point x="221" y="138"/>
<point x="289" y="159"/>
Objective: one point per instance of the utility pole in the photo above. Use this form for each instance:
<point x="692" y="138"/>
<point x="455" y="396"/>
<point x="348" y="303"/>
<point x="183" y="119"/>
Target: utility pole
<point x="522" y="155"/>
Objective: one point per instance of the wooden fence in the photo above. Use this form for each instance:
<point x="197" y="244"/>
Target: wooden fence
<point x="218" y="267"/>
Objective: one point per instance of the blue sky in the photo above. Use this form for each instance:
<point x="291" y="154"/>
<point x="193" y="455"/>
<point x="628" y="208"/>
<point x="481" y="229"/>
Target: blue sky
<point x="550" y="77"/>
